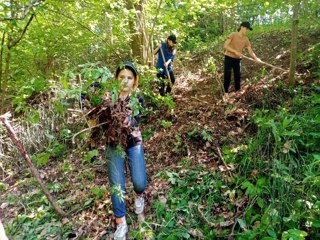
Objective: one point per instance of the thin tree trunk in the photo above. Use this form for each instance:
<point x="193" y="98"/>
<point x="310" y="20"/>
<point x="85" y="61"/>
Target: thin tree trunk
<point x="6" y="68"/>
<point x="1" y="58"/>
<point x="294" y="42"/>
<point x="34" y="171"/>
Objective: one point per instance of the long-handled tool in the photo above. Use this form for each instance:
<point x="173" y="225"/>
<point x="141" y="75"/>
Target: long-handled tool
<point x="164" y="63"/>
<point x="268" y="64"/>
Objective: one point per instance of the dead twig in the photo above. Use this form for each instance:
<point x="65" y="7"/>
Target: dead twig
<point x="85" y="130"/>
<point x="213" y="225"/>
<point x="224" y="163"/>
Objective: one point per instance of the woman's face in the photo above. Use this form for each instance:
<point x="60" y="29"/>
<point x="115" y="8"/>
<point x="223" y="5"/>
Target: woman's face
<point x="171" y="44"/>
<point x="127" y="78"/>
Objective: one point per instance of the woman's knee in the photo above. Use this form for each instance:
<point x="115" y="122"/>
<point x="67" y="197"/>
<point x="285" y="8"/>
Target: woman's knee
<point x="140" y="186"/>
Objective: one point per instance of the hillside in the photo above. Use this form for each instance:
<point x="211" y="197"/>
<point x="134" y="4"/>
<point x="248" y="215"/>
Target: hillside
<point x="193" y="135"/>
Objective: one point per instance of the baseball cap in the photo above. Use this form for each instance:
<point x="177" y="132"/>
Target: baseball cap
<point x="247" y="25"/>
<point x="173" y="38"/>
<point x="127" y="64"/>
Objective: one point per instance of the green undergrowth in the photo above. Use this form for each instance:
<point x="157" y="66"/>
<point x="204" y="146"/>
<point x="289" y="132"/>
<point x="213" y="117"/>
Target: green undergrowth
<point x="273" y="193"/>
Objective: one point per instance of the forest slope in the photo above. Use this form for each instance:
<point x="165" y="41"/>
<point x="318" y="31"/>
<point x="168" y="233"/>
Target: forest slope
<point x="192" y="134"/>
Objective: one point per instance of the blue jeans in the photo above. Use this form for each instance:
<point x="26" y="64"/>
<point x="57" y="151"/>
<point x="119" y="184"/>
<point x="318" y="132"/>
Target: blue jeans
<point x="117" y="178"/>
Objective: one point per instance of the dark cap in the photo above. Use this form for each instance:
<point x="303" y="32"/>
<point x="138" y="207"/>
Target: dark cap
<point x="246" y="24"/>
<point x="129" y="65"/>
<point x="173" y="38"/>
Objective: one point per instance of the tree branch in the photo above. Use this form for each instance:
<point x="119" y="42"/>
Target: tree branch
<point x="4" y="119"/>
<point x="23" y="32"/>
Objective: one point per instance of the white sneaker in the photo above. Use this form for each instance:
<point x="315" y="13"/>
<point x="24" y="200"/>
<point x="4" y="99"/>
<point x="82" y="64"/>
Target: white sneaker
<point x="121" y="232"/>
<point x="139" y="205"/>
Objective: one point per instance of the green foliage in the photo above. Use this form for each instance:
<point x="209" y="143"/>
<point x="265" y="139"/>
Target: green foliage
<point x="148" y="133"/>
<point x="255" y="190"/>
<point x="86" y="174"/>
<point x="38" y="218"/>
<point x="135" y="105"/>
<point x="279" y="161"/>
<point x="145" y="230"/>
<point x="206" y="134"/>
<point x="294" y="234"/>
<point x="203" y="133"/>
<point x="57" y="149"/>
<point x="148" y="85"/>
<point x="117" y="190"/>
<point x="28" y="91"/>
<point x="33" y="116"/>
<point x="89" y="155"/>
<point x="41" y="158"/>
<point x="189" y="190"/>
<point x="314" y="59"/>
<point x="98" y="192"/>
<point x="38" y="224"/>
<point x="210" y="66"/>
<point x="165" y="123"/>
<point x="3" y="186"/>
<point x="120" y="151"/>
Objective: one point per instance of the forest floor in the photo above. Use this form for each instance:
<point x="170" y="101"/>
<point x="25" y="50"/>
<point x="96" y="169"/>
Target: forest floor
<point x="201" y="124"/>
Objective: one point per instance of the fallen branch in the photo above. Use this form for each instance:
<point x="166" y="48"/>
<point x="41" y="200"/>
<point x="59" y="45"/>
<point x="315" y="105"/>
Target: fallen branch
<point x="199" y="100"/>
<point x="4" y="119"/>
<point x="85" y="130"/>
<point x="212" y="225"/>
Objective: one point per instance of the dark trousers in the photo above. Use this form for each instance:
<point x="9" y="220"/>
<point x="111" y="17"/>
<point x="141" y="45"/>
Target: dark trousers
<point x="229" y="65"/>
<point x="163" y="84"/>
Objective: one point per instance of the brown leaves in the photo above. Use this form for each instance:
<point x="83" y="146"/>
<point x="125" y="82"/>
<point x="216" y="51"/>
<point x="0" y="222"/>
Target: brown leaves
<point x="113" y="130"/>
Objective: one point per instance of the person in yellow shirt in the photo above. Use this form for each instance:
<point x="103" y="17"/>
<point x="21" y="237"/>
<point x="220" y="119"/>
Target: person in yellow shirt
<point x="234" y="46"/>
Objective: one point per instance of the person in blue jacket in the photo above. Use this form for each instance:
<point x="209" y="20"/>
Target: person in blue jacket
<point x="169" y="52"/>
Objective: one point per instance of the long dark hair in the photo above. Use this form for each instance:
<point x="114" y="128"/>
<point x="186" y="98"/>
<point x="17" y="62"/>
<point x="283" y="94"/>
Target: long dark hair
<point x="168" y="47"/>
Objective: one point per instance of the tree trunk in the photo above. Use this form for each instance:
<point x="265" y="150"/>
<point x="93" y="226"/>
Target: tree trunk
<point x="294" y="42"/>
<point x="7" y="68"/>
<point x="136" y="31"/>
<point x="1" y="58"/>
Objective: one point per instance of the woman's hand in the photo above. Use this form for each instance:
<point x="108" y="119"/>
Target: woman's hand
<point x="127" y="120"/>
